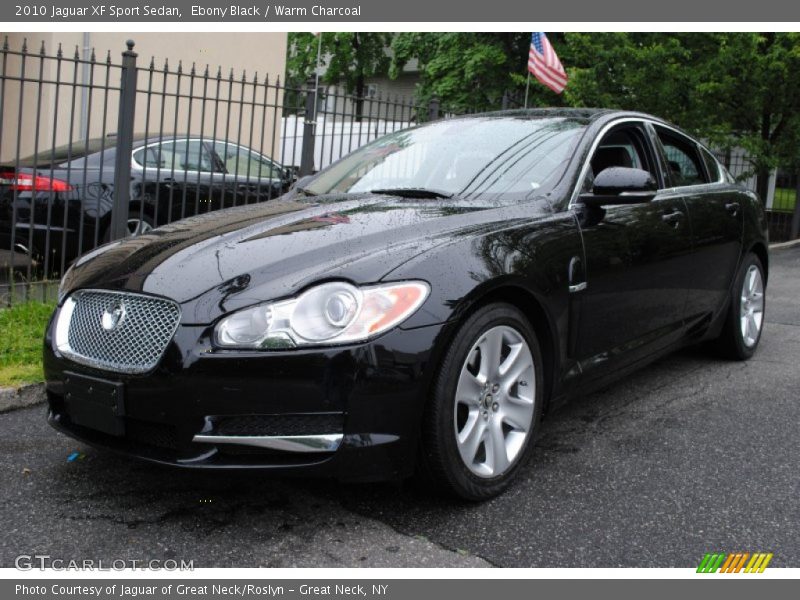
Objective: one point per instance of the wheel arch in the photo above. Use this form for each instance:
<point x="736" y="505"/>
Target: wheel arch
<point x="760" y="250"/>
<point x="534" y="310"/>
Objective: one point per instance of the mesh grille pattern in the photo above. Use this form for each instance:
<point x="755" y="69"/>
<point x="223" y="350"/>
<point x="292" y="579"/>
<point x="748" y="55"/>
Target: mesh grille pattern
<point x="144" y="326"/>
<point x="293" y="424"/>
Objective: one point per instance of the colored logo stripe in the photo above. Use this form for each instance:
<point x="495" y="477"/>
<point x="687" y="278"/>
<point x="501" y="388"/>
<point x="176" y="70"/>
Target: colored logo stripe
<point x="758" y="563"/>
<point x="734" y="562"/>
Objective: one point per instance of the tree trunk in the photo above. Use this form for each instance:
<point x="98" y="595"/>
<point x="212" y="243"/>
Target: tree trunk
<point x="762" y="181"/>
<point x="359" y="79"/>
<point x="762" y="184"/>
<point x="794" y="233"/>
<point x="360" y="86"/>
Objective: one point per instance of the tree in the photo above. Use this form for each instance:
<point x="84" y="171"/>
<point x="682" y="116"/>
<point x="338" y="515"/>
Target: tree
<point x="734" y="89"/>
<point x="469" y="71"/>
<point x="347" y="59"/>
<point x="754" y="77"/>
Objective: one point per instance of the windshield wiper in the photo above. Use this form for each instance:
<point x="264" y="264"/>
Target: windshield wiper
<point x="412" y="192"/>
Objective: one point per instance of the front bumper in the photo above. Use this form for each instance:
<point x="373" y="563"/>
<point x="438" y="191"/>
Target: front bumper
<point x="350" y="412"/>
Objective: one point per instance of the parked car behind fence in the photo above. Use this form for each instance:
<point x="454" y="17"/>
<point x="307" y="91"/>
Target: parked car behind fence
<point x="195" y="138"/>
<point x="58" y="204"/>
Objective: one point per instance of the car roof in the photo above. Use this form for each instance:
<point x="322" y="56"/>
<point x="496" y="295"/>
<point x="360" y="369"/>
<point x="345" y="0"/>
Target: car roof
<point x="141" y="138"/>
<point x="591" y="115"/>
<point x="549" y="112"/>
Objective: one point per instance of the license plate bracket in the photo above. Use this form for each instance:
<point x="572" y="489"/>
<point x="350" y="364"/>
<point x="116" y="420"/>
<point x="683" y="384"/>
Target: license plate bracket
<point x="95" y="403"/>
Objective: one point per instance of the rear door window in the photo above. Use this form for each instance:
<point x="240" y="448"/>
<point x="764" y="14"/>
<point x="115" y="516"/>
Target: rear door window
<point x="684" y="164"/>
<point x="179" y="155"/>
<point x="712" y="166"/>
<point x="245" y="163"/>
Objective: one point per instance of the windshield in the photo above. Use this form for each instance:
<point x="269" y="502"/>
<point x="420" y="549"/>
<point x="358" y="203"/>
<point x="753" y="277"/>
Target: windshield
<point x="469" y="158"/>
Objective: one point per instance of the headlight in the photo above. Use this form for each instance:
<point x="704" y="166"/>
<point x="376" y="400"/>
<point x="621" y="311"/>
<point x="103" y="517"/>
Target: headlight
<point x="330" y="313"/>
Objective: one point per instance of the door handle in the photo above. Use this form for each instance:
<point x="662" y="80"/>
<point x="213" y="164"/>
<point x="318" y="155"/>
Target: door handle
<point x="732" y="208"/>
<point x="673" y="218"/>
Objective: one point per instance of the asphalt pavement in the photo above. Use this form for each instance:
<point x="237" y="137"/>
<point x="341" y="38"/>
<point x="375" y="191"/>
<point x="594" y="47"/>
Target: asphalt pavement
<point x="691" y="455"/>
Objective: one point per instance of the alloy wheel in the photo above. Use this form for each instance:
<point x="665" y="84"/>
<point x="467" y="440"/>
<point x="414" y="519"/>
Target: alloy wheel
<point x="138" y="227"/>
<point x="751" y="308"/>
<point x="494" y="402"/>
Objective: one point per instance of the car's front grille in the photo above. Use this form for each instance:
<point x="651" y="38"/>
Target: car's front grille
<point x="116" y="331"/>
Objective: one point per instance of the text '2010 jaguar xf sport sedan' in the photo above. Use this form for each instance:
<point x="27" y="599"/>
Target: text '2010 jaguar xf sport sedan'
<point x="416" y="306"/>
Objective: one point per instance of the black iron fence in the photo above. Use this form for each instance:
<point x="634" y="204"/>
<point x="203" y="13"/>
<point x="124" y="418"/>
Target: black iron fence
<point x="93" y="149"/>
<point x="783" y="192"/>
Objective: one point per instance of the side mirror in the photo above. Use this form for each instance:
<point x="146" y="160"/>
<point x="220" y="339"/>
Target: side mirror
<point x="621" y="185"/>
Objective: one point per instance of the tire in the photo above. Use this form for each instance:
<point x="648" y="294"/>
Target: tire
<point x="136" y="225"/>
<point x="491" y="408"/>
<point x="736" y="341"/>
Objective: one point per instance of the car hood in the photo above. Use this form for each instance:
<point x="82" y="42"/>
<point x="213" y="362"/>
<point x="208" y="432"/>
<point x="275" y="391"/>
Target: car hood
<point x="229" y="259"/>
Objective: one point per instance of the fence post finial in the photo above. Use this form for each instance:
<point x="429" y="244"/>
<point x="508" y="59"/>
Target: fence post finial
<point x="124" y="144"/>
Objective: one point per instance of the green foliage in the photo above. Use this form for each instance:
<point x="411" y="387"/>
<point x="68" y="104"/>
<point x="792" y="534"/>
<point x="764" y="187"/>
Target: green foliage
<point x="734" y="89"/>
<point x="470" y="71"/>
<point x="785" y="200"/>
<point x="646" y="72"/>
<point x="21" y="333"/>
<point x="348" y="58"/>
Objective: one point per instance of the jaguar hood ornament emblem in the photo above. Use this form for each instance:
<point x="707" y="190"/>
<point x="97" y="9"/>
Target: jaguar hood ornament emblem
<point x="113" y="316"/>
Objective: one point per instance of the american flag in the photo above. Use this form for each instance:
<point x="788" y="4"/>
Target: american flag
<point x="543" y="63"/>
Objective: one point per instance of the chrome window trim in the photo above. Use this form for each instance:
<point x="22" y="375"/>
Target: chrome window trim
<point x="165" y="169"/>
<point x="136" y="163"/>
<point x="619" y="121"/>
<point x="720" y="167"/>
<point x="720" y="178"/>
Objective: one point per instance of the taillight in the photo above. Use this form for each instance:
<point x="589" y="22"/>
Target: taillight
<point x="25" y="182"/>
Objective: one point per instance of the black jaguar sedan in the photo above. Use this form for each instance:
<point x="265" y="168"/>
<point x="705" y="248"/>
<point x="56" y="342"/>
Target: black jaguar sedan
<point x="417" y="306"/>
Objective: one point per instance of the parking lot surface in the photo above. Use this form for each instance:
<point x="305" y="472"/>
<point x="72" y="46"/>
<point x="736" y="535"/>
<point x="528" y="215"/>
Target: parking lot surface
<point x="691" y="455"/>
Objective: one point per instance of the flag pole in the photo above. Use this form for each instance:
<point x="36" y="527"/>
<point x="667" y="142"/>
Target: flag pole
<point x="527" y="87"/>
<point x="316" y="72"/>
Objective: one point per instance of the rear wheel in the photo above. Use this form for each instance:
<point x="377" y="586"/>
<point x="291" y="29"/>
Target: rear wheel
<point x="479" y="427"/>
<point x="137" y="225"/>
<point x="745" y="319"/>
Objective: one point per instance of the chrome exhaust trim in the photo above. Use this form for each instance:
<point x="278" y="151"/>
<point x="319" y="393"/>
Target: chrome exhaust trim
<point x="328" y="442"/>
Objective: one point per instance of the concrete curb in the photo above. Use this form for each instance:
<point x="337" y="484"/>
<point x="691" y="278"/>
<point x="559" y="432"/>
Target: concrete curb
<point x="780" y="245"/>
<point x="27" y="395"/>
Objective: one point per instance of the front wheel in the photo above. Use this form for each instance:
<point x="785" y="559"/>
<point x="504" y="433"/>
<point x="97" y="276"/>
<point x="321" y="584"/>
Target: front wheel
<point x="479" y="426"/>
<point x="745" y="319"/>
